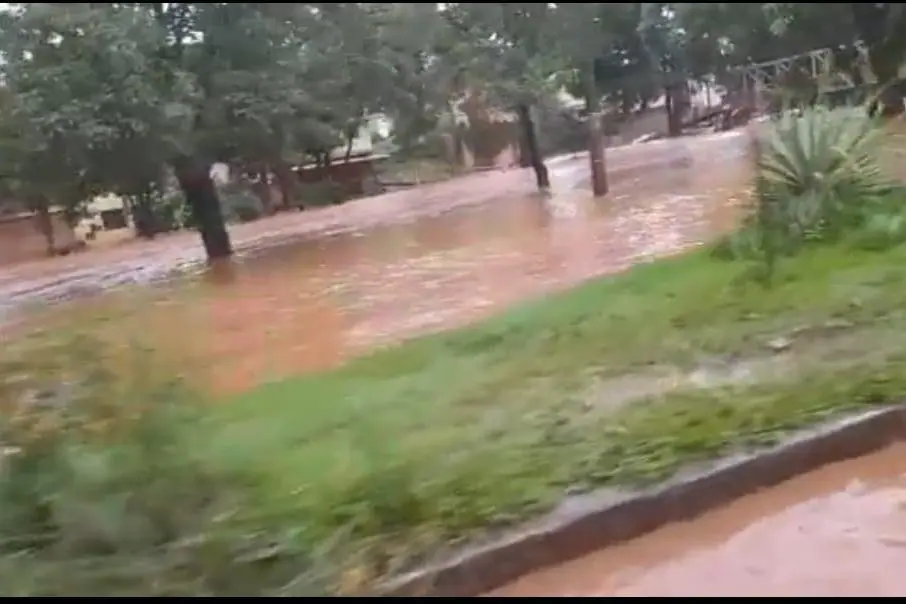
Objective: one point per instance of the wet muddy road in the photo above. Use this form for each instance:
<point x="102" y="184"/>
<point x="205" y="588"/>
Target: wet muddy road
<point x="308" y="289"/>
<point x="839" y="531"/>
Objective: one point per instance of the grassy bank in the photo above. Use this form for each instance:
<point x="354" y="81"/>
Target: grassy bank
<point x="329" y="482"/>
<point x="415" y="447"/>
<point x="122" y="481"/>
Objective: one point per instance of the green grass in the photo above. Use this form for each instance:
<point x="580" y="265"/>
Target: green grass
<point x="346" y="477"/>
<point x="423" y="444"/>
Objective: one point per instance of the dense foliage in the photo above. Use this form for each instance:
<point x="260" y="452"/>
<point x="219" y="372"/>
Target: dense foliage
<point x="120" y="97"/>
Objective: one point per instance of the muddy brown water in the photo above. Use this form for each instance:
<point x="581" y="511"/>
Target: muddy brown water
<point x="838" y="531"/>
<point x="310" y="289"/>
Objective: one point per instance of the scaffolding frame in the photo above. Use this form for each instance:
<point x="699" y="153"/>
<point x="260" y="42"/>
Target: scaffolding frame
<point x="816" y="65"/>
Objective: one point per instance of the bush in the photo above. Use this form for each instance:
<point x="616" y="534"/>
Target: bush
<point x="561" y="131"/>
<point x="884" y="229"/>
<point x="116" y="481"/>
<point x="107" y="486"/>
<point x="240" y="204"/>
<point x="173" y="211"/>
<point x="818" y="178"/>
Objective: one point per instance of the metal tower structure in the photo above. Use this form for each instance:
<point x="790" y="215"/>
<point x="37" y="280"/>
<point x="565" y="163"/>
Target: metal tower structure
<point x="816" y="67"/>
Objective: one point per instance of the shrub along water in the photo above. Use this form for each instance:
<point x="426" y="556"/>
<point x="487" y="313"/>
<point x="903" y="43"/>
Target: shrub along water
<point x="818" y="178"/>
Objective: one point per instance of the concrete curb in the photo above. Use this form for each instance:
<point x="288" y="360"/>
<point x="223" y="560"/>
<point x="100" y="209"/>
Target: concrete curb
<point x="600" y="520"/>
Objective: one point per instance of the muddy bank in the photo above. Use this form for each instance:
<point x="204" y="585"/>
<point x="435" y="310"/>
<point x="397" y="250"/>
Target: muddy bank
<point x="584" y="524"/>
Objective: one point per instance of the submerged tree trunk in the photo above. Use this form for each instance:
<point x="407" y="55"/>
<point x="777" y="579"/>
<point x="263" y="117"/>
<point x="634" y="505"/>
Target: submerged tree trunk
<point x="672" y="105"/>
<point x="542" y="178"/>
<point x="346" y="156"/>
<point x="889" y="99"/>
<point x="45" y="225"/>
<point x="143" y="215"/>
<point x="194" y="179"/>
<point x="880" y="26"/>
<point x="262" y="189"/>
<point x="599" y="184"/>
<point x="286" y="181"/>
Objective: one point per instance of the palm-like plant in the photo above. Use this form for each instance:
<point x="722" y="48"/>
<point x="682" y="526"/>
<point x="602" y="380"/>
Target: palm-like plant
<point x="817" y="174"/>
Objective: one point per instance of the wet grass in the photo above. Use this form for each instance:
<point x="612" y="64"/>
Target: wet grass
<point x="131" y="484"/>
<point x="343" y="478"/>
<point x="416" y="447"/>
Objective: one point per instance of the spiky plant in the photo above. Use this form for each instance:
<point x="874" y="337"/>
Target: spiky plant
<point x="817" y="174"/>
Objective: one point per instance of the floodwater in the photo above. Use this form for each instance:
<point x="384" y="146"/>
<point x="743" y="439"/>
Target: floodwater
<point x="310" y="289"/>
<point x="838" y="531"/>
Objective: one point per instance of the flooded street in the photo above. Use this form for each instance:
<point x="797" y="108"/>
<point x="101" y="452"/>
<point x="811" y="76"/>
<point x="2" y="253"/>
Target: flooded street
<point x="310" y="289"/>
<point x="838" y="531"/>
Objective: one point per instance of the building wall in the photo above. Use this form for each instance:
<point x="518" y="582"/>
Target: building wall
<point x="508" y="157"/>
<point x="352" y="175"/>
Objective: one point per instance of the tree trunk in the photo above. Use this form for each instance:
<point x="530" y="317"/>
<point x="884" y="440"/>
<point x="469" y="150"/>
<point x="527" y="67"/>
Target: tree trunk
<point x="262" y="189"/>
<point x="194" y="178"/>
<point x="143" y="215"/>
<point x="286" y="180"/>
<point x="892" y="99"/>
<point x="348" y="154"/>
<point x="542" y="177"/>
<point x="880" y="31"/>
<point x="889" y="99"/>
<point x="672" y="105"/>
<point x="45" y="225"/>
<point x="599" y="185"/>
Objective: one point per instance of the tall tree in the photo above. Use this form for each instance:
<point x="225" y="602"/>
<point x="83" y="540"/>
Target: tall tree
<point x="881" y="27"/>
<point x="511" y="59"/>
<point x="587" y="35"/>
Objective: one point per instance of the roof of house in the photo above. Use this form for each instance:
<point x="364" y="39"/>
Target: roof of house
<point x="105" y="203"/>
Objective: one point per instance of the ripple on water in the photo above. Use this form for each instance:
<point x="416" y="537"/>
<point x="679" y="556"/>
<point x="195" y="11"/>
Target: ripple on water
<point x="424" y="259"/>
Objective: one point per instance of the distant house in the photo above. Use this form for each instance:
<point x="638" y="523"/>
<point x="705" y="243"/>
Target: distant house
<point x="651" y="120"/>
<point x="355" y="174"/>
<point x="351" y="164"/>
<point x="110" y="212"/>
<point x="483" y="136"/>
